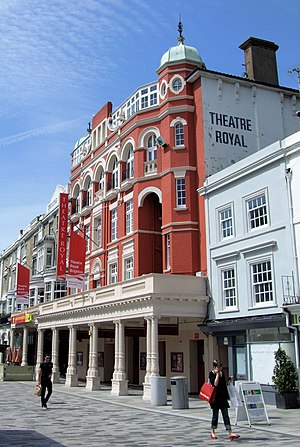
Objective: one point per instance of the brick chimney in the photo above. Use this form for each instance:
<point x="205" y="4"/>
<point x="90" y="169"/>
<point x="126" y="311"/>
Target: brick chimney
<point x="260" y="60"/>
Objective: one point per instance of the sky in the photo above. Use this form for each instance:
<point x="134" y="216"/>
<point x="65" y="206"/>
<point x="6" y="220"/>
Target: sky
<point x="62" y="60"/>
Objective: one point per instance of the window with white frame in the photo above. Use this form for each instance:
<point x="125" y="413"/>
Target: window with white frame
<point x="257" y="212"/>
<point x="77" y="155"/>
<point x="101" y="181"/>
<point x="48" y="289"/>
<point x="151" y="148"/>
<point x="179" y="134"/>
<point x="128" y="267"/>
<point x="226" y="223"/>
<point x="129" y="163"/>
<point x="49" y="257"/>
<point x="113" y="273"/>
<point x="129" y="216"/>
<point x="32" y="297"/>
<point x="40" y="259"/>
<point x="261" y="282"/>
<point x="180" y="193"/>
<point x="87" y="237"/>
<point x="115" y="175"/>
<point x="89" y="193"/>
<point x="114" y="224"/>
<point x="168" y="251"/>
<point x="60" y="289"/>
<point x="77" y="202"/>
<point x="98" y="231"/>
<point x="229" y="288"/>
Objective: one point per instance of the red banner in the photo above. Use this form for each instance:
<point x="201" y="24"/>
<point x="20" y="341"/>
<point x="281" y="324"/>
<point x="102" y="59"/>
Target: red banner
<point x="23" y="277"/>
<point x="62" y="236"/>
<point x="76" y="261"/>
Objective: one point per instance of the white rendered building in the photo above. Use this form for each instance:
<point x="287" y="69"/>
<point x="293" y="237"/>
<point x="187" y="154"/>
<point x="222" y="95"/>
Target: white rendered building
<point x="253" y="234"/>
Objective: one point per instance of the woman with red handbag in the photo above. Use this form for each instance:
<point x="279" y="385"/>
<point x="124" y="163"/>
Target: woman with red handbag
<point x="217" y="379"/>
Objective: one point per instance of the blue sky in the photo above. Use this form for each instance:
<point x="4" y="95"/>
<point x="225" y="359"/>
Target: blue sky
<point x="61" y="60"/>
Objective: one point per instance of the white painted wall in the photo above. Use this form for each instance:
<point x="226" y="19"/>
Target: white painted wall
<point x="260" y="115"/>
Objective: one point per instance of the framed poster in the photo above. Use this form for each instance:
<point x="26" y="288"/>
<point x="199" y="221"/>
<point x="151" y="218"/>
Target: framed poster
<point x="143" y="361"/>
<point x="177" y="362"/>
<point x="100" y="359"/>
<point x="79" y="358"/>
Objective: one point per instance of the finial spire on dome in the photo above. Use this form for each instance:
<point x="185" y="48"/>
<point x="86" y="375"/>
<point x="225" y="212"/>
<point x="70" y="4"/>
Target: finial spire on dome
<point x="180" y="38"/>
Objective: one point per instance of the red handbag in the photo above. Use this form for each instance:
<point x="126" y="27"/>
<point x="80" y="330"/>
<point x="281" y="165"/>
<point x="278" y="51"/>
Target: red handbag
<point x="208" y="393"/>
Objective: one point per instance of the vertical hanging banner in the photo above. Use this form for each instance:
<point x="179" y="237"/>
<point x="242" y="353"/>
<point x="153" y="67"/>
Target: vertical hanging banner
<point x="62" y="237"/>
<point x="75" y="278"/>
<point x="23" y="276"/>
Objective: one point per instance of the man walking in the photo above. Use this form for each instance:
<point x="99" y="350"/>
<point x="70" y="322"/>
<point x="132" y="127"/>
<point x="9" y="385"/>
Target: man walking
<point x="44" y="379"/>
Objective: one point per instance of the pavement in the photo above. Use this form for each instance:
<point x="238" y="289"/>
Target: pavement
<point x="76" y="417"/>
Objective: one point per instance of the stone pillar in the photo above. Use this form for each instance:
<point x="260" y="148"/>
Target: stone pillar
<point x="147" y="379"/>
<point x="40" y="349"/>
<point x="119" y="380"/>
<point x="154" y="347"/>
<point x="54" y="355"/>
<point x="12" y="340"/>
<point x="116" y="365"/>
<point x="25" y="346"/>
<point x="92" y="378"/>
<point x="72" y="376"/>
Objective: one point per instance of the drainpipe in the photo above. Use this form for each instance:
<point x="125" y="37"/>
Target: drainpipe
<point x="288" y="177"/>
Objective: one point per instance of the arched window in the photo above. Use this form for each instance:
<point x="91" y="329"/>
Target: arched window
<point x="151" y="148"/>
<point x="115" y="175"/>
<point x="101" y="181"/>
<point x="77" y="200"/>
<point x="179" y="134"/>
<point x="89" y="193"/>
<point x="129" y="163"/>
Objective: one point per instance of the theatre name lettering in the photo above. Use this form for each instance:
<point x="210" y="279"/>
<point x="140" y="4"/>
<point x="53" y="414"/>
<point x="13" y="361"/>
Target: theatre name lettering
<point x="232" y="125"/>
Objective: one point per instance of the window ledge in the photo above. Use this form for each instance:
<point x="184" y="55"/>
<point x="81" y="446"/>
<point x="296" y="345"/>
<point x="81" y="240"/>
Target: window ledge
<point x="178" y="148"/>
<point x="181" y="208"/>
<point x="226" y="311"/>
<point x="263" y="306"/>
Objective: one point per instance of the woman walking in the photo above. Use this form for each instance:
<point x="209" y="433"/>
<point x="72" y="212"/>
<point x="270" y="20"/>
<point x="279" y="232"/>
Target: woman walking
<point x="217" y="379"/>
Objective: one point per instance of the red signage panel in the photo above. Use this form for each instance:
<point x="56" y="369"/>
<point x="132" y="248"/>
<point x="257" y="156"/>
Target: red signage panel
<point x="62" y="236"/>
<point x="76" y="261"/>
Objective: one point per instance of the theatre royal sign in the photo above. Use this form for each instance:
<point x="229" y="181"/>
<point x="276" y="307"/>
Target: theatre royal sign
<point x="239" y="118"/>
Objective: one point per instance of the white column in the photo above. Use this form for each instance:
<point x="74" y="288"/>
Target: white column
<point x="122" y="369"/>
<point x="116" y="365"/>
<point x="119" y="380"/>
<point x="54" y="355"/>
<point x="40" y="348"/>
<point x="71" y="376"/>
<point x="92" y="378"/>
<point x="154" y="347"/>
<point x="147" y="379"/>
<point x="25" y="346"/>
<point x="12" y="340"/>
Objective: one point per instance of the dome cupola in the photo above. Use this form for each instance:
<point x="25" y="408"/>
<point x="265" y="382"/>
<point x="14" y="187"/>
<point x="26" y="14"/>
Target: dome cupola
<point x="181" y="53"/>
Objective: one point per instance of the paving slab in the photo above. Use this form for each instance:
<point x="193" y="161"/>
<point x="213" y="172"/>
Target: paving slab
<point x="77" y="417"/>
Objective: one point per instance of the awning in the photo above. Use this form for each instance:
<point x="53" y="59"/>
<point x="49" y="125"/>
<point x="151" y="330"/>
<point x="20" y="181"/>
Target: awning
<point x="239" y="324"/>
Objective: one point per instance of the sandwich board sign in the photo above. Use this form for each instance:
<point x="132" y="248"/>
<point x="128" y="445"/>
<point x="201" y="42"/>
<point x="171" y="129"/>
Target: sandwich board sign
<point x="254" y="408"/>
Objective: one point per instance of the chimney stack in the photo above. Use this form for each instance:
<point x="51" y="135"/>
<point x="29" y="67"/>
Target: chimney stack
<point x="260" y="60"/>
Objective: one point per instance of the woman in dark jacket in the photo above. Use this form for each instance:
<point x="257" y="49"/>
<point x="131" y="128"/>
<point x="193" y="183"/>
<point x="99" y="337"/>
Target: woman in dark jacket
<point x="217" y="379"/>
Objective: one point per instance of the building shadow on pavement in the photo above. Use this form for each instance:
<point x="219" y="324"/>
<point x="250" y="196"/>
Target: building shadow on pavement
<point x="25" y="438"/>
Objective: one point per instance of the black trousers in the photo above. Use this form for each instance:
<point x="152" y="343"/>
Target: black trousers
<point x="46" y="384"/>
<point x="215" y="417"/>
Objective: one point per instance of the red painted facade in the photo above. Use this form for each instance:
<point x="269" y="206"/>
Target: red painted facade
<point x="157" y="220"/>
